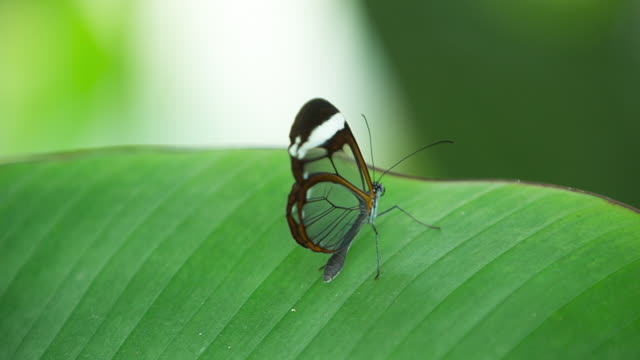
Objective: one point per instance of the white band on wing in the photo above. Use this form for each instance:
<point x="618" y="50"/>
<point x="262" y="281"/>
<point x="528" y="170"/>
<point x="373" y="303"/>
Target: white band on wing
<point x="318" y="136"/>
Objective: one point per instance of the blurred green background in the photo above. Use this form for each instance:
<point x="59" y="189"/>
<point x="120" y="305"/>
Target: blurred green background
<point x="541" y="90"/>
<point x="535" y="90"/>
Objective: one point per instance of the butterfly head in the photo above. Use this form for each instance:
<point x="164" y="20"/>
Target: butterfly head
<point x="378" y="189"/>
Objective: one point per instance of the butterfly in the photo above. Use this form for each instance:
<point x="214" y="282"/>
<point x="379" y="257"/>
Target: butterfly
<point x="333" y="194"/>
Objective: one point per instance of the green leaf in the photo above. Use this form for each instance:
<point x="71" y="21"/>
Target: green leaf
<point x="155" y="254"/>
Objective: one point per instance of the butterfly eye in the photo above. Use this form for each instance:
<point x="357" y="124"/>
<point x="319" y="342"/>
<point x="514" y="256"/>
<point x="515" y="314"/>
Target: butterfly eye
<point x="378" y="189"/>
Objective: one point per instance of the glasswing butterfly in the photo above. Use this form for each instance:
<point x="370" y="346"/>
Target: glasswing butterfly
<point x="333" y="194"/>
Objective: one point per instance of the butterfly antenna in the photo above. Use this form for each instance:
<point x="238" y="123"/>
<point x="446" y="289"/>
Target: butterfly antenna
<point x="413" y="153"/>
<point x="373" y="164"/>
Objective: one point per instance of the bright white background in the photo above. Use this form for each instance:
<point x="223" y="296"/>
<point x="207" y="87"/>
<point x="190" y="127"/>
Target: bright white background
<point x="235" y="73"/>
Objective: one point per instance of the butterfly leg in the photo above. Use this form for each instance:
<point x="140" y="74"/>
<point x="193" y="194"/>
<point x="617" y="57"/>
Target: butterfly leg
<point x="409" y="215"/>
<point x="377" y="251"/>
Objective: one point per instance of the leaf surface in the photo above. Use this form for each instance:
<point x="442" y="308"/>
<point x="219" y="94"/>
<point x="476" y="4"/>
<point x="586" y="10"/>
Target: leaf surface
<point x="155" y="254"/>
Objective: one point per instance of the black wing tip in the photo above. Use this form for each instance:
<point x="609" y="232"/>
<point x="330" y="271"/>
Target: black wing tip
<point x="318" y="101"/>
<point x="313" y="113"/>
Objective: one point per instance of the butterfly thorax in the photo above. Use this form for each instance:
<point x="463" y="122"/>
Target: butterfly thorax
<point x="378" y="191"/>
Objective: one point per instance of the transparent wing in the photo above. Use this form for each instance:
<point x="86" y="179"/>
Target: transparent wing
<point x="331" y="215"/>
<point x="341" y="162"/>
